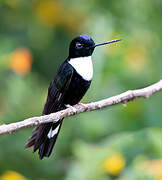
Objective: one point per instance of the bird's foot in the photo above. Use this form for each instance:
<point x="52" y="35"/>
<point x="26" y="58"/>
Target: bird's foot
<point x="72" y="108"/>
<point x="83" y="105"/>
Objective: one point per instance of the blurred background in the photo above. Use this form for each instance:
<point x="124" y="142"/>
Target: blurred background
<point x="121" y="143"/>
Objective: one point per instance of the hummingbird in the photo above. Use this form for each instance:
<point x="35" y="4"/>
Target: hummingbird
<point x="70" y="84"/>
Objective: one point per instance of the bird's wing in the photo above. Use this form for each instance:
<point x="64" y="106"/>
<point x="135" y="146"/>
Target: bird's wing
<point x="41" y="138"/>
<point x="58" y="89"/>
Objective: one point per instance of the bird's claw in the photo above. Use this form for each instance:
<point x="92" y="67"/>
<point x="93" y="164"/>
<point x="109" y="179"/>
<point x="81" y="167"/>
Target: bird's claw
<point x="83" y="105"/>
<point x="72" y="108"/>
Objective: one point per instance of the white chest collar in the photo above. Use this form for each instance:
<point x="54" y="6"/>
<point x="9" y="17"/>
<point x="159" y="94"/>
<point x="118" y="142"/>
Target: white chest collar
<point x="83" y="66"/>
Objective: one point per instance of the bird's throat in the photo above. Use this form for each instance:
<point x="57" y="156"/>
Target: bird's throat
<point x="83" y="66"/>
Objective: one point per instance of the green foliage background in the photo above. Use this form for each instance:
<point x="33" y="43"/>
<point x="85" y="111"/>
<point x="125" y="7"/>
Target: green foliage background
<point x="45" y="28"/>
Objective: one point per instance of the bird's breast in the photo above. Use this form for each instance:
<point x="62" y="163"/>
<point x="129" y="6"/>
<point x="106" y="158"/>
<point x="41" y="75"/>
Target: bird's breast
<point x="77" y="89"/>
<point x="83" y="66"/>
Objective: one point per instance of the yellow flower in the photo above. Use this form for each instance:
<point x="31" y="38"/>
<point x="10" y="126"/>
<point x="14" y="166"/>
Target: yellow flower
<point x="154" y="167"/>
<point x="12" y="175"/>
<point x="50" y="12"/>
<point x="114" y="164"/>
<point x="21" y="61"/>
<point x="159" y="177"/>
<point x="135" y="57"/>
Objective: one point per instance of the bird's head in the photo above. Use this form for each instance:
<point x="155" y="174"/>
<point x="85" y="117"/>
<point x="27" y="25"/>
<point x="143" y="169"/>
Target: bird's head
<point x="81" y="46"/>
<point x="84" y="45"/>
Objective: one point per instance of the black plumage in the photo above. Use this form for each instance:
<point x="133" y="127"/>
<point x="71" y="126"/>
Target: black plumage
<point x="67" y="88"/>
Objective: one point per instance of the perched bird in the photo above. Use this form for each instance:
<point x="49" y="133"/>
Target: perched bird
<point x="68" y="87"/>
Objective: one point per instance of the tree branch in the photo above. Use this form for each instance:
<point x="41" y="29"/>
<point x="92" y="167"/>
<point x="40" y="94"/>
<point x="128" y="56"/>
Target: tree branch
<point x="54" y="117"/>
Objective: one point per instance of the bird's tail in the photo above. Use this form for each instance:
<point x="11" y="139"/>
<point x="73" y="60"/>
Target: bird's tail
<point x="43" y="138"/>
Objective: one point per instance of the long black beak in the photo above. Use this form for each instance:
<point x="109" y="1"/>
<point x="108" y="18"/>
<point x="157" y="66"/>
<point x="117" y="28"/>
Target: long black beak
<point x="108" y="42"/>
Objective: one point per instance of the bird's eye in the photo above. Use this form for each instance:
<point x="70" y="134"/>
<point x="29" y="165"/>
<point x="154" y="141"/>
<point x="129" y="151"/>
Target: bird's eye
<point x="79" y="46"/>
